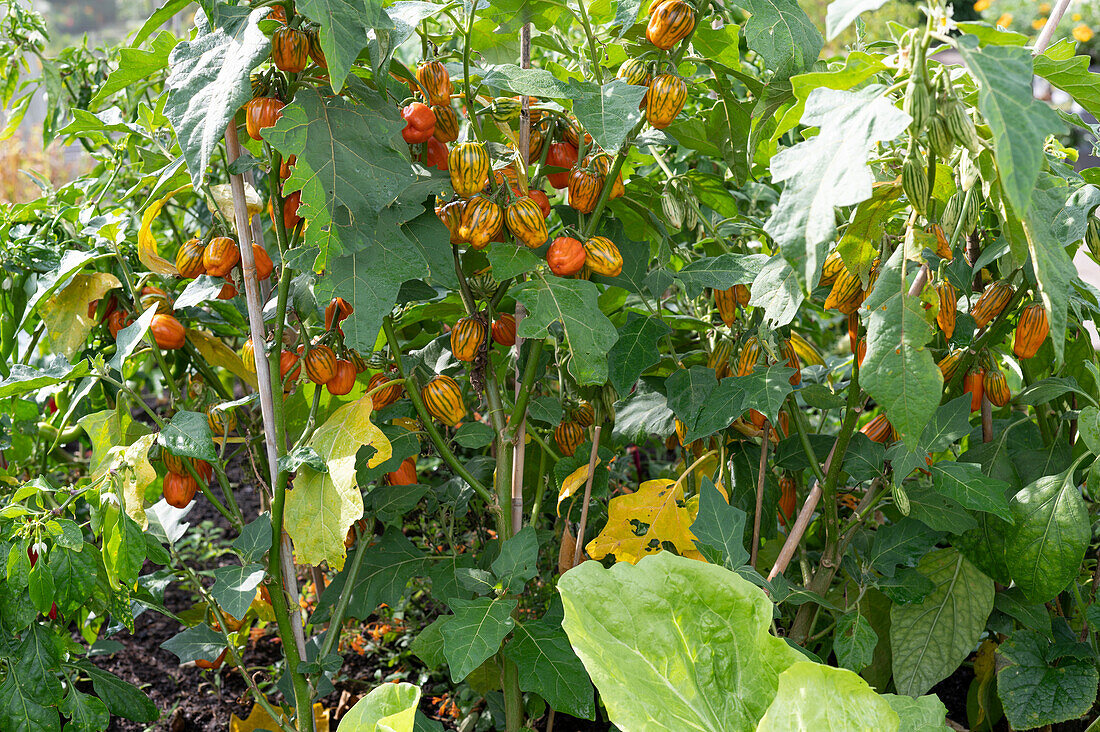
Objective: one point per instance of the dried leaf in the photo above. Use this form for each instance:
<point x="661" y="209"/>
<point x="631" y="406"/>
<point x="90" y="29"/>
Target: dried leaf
<point x="653" y="518"/>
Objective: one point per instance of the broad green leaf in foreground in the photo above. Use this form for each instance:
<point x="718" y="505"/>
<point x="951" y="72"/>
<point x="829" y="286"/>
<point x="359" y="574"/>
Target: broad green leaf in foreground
<point x="858" y="67"/>
<point x="321" y="506"/>
<point x="1070" y="73"/>
<point x="209" y="80"/>
<point x="387" y="708"/>
<point x="573" y="303"/>
<point x="966" y="484"/>
<point x="707" y="660"/>
<point x="829" y="169"/>
<point x="1045" y="548"/>
<point x="930" y="639"/>
<point x="813" y="696"/>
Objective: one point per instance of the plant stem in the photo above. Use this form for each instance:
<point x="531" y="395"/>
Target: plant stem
<point x="759" y="495"/>
<point x="596" y="70"/>
<point x="332" y="636"/>
<point x="592" y="456"/>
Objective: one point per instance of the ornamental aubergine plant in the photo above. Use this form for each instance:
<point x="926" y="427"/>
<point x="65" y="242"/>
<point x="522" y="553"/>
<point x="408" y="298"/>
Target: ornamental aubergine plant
<point x="582" y="323"/>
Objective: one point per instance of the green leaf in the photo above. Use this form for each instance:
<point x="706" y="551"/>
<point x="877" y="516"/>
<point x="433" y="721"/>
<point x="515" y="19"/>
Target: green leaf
<point x="1052" y="532"/>
<point x="722" y="272"/>
<point x="74" y="575"/>
<point x="199" y="642"/>
<point x="209" y="80"/>
<point x="923" y="714"/>
<point x="19" y="712"/>
<point x="966" y="484"/>
<point x="255" y="539"/>
<point x="37" y="662"/>
<point x="863" y="236"/>
<point x="1048" y="390"/>
<point x="1020" y="124"/>
<point x="202" y="289"/>
<point x="473" y="435"/>
<point x="858" y="68"/>
<point x="386" y="569"/>
<point x="1070" y="73"/>
<point x="854" y="642"/>
<point x="691" y="611"/>
<point x="929" y="640"/>
<point x="609" y="112"/>
<point x="719" y="529"/>
<point x="778" y="291"/>
<point x="706" y="406"/>
<point x="901" y="544"/>
<point x="573" y="303"/>
<point x="842" y="13"/>
<point x="635" y="351"/>
<point x="533" y="82"/>
<point x="508" y="260"/>
<point x="549" y="667"/>
<point x="720" y="45"/>
<point x="136" y="66"/>
<point x="188" y="435"/>
<point x="518" y="559"/>
<point x="87" y="714"/>
<point x="818" y="697"/>
<point x="23" y="378"/>
<point x="475" y="632"/>
<point x="122" y="699"/>
<point x="898" y="371"/>
<point x="235" y="587"/>
<point x="387" y="708"/>
<point x="829" y="169"/>
<point x="1034" y="692"/>
<point x="342" y="33"/>
<point x="642" y="413"/>
<point x="783" y="35"/>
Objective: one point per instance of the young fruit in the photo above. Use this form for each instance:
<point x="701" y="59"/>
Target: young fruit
<point x="669" y="23"/>
<point x="290" y="50"/>
<point x="443" y="398"/>
<point x="949" y="364"/>
<point x="220" y="256"/>
<point x="565" y="256"/>
<point x="568" y="436"/>
<point x="481" y="222"/>
<point x="991" y="302"/>
<point x="315" y="51"/>
<point x="435" y="82"/>
<point x="336" y="311"/>
<point x="320" y="364"/>
<point x="719" y="358"/>
<point x="405" y="473"/>
<point x="167" y="332"/>
<point x="525" y="222"/>
<point x="261" y="113"/>
<point x="383" y="397"/>
<point x="343" y="379"/>
<point x="945" y="316"/>
<point x="584" y="414"/>
<point x="446" y="123"/>
<point x="603" y="257"/>
<point x="561" y="155"/>
<point x="504" y="330"/>
<point x="584" y="190"/>
<point x="787" y="498"/>
<point x="466" y="338"/>
<point x="750" y="354"/>
<point x="726" y="303"/>
<point x="289" y="368"/>
<point x="995" y="387"/>
<point x="664" y="100"/>
<point x="1031" y="331"/>
<point x="178" y="490"/>
<point x="419" y="123"/>
<point x="973" y="384"/>
<point x="221" y="421"/>
<point x="228" y="291"/>
<point x="290" y="210"/>
<point x="248" y="355"/>
<point x="468" y="164"/>
<point x="189" y="259"/>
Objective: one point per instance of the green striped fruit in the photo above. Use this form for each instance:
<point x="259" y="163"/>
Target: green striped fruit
<point x="939" y="139"/>
<point x="960" y="126"/>
<point x="1092" y="237"/>
<point x="603" y="257"/>
<point x="914" y="181"/>
<point x="917" y="103"/>
<point x="443" y="398"/>
<point x="468" y="164"/>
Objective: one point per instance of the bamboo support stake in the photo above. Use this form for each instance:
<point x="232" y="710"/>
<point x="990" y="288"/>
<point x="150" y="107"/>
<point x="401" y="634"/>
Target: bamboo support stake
<point x="579" y="549"/>
<point x="759" y="495"/>
<point x="1052" y="23"/>
<point x="800" y="525"/>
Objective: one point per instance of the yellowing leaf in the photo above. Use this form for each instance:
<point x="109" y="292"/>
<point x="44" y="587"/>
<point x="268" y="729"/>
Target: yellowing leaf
<point x="223" y="200"/>
<point x="133" y="473"/>
<point x="645" y="522"/>
<point x="217" y="353"/>
<point x="575" y="480"/>
<point x="259" y="719"/>
<point x="66" y="312"/>
<point x="147" y="244"/>
<point x="322" y="506"/>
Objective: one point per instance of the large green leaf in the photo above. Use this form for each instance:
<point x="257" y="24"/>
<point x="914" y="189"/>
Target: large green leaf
<point x="1070" y="73"/>
<point x="706" y="660"/>
<point x="386" y="569"/>
<point x="829" y="169"/>
<point x="39" y="663"/>
<point x="235" y="587"/>
<point x="136" y="66"/>
<point x="721" y="272"/>
<point x="198" y="643"/>
<point x="387" y="708"/>
<point x="122" y="699"/>
<point x="188" y="435"/>
<point x="475" y="632"/>
<point x="1037" y="689"/>
<point x="930" y="639"/>
<point x="23" y="378"/>
<point x="706" y="406"/>
<point x="19" y="712"/>
<point x="209" y="80"/>
<point x="1052" y="532"/>
<point x="1020" y="124"/>
<point x="635" y="351"/>
<point x="719" y="529"/>
<point x="782" y="33"/>
<point x="74" y="575"/>
<point x="778" y="291"/>
<point x="342" y="33"/>
<point x="923" y="714"/>
<point x="574" y="304"/>
<point x="813" y="696"/>
<point x="549" y="667"/>
<point x="966" y="484"/>
<point x="858" y="67"/>
<point x="898" y="371"/>
<point x="609" y="112"/>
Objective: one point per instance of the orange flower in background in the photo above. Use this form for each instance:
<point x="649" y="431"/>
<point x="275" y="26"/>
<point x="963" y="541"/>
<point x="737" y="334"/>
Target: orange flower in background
<point x="1076" y="17"/>
<point x="1004" y="21"/>
<point x="1083" y="33"/>
<point x="1038" y="23"/>
<point x="1044" y="8"/>
<point x="982" y="5"/>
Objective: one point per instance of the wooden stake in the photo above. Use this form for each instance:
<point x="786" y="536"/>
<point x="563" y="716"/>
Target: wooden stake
<point x="759" y="495"/>
<point x="587" y="494"/>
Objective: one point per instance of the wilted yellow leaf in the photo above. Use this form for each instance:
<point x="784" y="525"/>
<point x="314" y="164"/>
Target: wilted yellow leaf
<point x="66" y="312"/>
<point x="133" y="472"/>
<point x="147" y="244"/>
<point x="322" y="506"/>
<point x="570" y="485"/>
<point x="259" y="719"/>
<point x="645" y="522"/>
<point x="223" y="200"/>
<point x="217" y="353"/>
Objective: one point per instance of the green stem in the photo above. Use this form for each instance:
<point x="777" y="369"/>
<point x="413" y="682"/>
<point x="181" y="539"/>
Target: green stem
<point x="609" y="182"/>
<point x="540" y="490"/>
<point x="520" y="409"/>
<point x="596" y="70"/>
<point x="471" y="100"/>
<point x="337" y="619"/>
